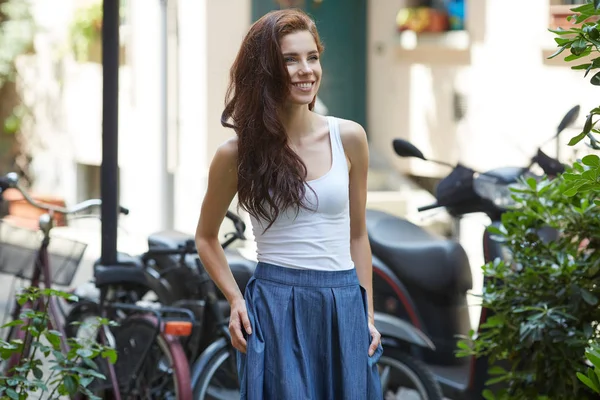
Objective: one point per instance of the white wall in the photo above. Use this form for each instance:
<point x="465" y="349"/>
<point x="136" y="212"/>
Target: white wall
<point x="210" y="35"/>
<point x="140" y="146"/>
<point x="190" y="178"/>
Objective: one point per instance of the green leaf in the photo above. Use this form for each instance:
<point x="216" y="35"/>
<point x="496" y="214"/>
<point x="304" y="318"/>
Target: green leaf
<point x="588" y="297"/>
<point x="16" y="322"/>
<point x="594" y="357"/>
<point x="12" y="394"/>
<point x="587" y="381"/>
<point x="90" y="363"/>
<point x="562" y="41"/>
<point x="111" y="354"/>
<point x="462" y="345"/>
<point x="577" y="53"/>
<point x="557" y="52"/>
<point x="584" y="9"/>
<point x="587" y="127"/>
<point x="577" y="139"/>
<point x="581" y="66"/>
<point x="85" y="353"/>
<point x="498" y="379"/>
<point x="496" y="370"/>
<point x="561" y="31"/>
<point x="489" y="395"/>
<point x="37" y="373"/>
<point x="595" y="79"/>
<point x="591" y="160"/>
<point x="70" y="384"/>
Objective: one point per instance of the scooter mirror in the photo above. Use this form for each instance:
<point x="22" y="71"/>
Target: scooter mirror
<point x="406" y="149"/>
<point x="569" y="118"/>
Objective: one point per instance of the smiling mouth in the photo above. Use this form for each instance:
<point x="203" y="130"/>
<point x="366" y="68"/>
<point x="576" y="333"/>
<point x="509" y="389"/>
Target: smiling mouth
<point x="304" y="86"/>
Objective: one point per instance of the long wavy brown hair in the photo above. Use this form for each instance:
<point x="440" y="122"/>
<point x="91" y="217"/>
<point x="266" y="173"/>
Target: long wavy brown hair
<point x="271" y="176"/>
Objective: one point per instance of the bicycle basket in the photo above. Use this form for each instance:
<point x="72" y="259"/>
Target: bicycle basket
<point x="18" y="252"/>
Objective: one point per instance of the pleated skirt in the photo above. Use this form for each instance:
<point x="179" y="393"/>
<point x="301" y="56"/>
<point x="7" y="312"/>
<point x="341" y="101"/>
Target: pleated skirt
<point x="310" y="337"/>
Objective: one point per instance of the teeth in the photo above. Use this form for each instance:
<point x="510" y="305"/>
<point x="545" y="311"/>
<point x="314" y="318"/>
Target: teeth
<point x="303" y="85"/>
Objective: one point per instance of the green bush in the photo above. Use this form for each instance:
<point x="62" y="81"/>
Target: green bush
<point x="544" y="298"/>
<point x="57" y="374"/>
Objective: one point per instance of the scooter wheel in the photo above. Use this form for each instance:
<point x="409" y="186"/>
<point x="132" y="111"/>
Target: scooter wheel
<point x="402" y="376"/>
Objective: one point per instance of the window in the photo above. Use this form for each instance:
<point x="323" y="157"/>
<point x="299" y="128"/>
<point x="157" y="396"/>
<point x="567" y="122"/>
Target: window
<point x="432" y="16"/>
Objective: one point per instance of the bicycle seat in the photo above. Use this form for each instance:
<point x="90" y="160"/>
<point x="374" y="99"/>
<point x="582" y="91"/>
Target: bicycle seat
<point x="417" y="257"/>
<point x="169" y="239"/>
<point x="128" y="269"/>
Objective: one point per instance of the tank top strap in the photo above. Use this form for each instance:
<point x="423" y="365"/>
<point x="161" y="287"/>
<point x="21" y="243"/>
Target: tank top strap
<point x="336" y="139"/>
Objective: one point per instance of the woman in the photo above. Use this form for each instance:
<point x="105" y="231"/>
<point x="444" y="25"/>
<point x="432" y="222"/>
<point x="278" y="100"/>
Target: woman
<point x="305" y="328"/>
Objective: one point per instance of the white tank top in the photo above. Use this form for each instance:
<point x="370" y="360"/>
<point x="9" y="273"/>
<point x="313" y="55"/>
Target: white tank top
<point x="317" y="238"/>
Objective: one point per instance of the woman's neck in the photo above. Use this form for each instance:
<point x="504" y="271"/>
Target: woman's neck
<point x="298" y="121"/>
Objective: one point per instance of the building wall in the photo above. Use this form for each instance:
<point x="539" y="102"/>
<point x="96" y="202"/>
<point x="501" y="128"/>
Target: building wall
<point x="514" y="97"/>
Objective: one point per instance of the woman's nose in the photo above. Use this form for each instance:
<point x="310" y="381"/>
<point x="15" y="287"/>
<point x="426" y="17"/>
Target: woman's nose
<point x="305" y="68"/>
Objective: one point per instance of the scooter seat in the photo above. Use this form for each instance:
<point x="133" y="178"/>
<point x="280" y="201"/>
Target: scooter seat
<point x="417" y="257"/>
<point x="169" y="239"/>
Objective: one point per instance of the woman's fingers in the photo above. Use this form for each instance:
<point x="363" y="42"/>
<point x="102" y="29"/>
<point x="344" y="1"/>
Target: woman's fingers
<point x="237" y="337"/>
<point x="376" y="339"/>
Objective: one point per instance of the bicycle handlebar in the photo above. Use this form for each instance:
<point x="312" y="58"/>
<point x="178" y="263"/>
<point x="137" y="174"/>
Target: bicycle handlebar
<point x="11" y="181"/>
<point x="239" y="225"/>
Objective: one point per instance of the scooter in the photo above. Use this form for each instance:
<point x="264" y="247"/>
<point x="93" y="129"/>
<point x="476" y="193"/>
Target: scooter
<point x="420" y="280"/>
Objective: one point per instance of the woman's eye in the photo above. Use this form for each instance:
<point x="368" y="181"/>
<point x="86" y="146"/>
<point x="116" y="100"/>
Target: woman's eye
<point x="314" y="58"/>
<point x="289" y="59"/>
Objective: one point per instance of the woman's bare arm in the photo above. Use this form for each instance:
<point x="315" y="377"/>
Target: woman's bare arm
<point x="222" y="186"/>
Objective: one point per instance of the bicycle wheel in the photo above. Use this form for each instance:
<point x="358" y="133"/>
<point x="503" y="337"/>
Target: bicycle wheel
<point x="217" y="374"/>
<point x="149" y="365"/>
<point x="402" y="377"/>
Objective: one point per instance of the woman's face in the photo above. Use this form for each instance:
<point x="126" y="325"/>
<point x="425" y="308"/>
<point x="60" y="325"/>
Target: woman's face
<point x="302" y="61"/>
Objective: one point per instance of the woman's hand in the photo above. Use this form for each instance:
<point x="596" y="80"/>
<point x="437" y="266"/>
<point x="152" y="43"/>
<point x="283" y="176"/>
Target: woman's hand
<point x="239" y="321"/>
<point x="376" y="341"/>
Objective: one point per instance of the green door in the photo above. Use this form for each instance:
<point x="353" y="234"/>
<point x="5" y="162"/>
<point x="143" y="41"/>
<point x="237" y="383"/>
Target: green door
<point x="342" y="26"/>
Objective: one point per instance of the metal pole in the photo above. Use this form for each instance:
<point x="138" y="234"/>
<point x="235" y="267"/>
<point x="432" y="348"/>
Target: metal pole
<point x="110" y="131"/>
<point x="167" y="177"/>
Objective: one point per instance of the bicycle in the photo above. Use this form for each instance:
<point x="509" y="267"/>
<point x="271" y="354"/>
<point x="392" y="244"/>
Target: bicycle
<point x="157" y="331"/>
<point x="180" y="281"/>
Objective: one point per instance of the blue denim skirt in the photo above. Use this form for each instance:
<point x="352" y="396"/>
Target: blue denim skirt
<point x="310" y="337"/>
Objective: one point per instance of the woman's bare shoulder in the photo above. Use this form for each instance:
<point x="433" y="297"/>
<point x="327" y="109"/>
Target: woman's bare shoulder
<point x="228" y="150"/>
<point x="353" y="135"/>
<point x="225" y="158"/>
<point x="351" y="128"/>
